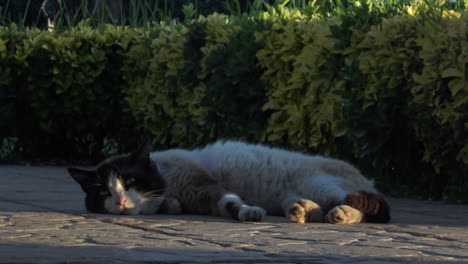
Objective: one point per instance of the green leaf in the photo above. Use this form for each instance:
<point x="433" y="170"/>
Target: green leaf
<point x="456" y="86"/>
<point x="452" y="72"/>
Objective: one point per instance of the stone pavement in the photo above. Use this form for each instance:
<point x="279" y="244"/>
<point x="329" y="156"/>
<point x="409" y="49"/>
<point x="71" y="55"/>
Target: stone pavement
<point x="43" y="220"/>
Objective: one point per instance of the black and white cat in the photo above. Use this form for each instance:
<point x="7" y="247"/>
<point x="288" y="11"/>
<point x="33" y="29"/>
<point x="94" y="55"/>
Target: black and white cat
<point x="232" y="179"/>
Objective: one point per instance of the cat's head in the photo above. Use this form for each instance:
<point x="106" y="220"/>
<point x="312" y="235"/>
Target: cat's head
<point x="122" y="184"/>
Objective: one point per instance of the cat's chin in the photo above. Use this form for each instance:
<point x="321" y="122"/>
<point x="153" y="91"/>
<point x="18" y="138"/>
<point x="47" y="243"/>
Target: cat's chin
<point x="117" y="210"/>
<point x="112" y="208"/>
<point x="133" y="211"/>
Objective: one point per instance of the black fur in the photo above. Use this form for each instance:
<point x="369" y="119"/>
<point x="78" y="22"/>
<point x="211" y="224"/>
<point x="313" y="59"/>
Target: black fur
<point x="93" y="186"/>
<point x="373" y="206"/>
<point x="136" y="171"/>
<point x="233" y="209"/>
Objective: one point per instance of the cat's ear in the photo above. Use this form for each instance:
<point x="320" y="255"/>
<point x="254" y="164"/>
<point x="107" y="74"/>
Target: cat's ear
<point x="142" y="152"/>
<point x="84" y="177"/>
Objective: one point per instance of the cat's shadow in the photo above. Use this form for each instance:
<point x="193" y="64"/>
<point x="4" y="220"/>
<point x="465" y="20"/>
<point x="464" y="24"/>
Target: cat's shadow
<point x="177" y="219"/>
<point x="400" y="219"/>
<point x="404" y="212"/>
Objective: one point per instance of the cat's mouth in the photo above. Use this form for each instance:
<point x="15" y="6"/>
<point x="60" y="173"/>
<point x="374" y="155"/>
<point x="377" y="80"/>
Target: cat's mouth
<point x="125" y="211"/>
<point x="128" y="211"/>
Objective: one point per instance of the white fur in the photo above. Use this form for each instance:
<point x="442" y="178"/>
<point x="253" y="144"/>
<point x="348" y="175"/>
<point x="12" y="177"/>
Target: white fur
<point x="246" y="213"/>
<point x="346" y="214"/>
<point x="115" y="185"/>
<point x="133" y="201"/>
<point x="324" y="186"/>
<point x="227" y="198"/>
<point x="251" y="213"/>
<point x="269" y="177"/>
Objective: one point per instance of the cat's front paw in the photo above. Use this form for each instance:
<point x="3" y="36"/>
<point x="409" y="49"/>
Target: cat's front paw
<point x="343" y="214"/>
<point x="251" y="213"/>
<point x="304" y="211"/>
<point x="173" y="206"/>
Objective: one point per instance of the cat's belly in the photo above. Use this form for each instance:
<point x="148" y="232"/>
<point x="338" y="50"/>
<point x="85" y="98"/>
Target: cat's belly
<point x="268" y="177"/>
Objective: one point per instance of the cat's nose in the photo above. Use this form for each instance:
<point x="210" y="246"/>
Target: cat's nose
<point x="121" y="200"/>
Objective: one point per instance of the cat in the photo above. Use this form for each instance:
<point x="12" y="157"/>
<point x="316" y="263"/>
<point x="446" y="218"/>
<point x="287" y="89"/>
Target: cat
<point x="232" y="179"/>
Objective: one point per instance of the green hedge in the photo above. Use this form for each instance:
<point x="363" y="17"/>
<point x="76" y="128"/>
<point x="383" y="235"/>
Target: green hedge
<point x="392" y="97"/>
<point x="61" y="94"/>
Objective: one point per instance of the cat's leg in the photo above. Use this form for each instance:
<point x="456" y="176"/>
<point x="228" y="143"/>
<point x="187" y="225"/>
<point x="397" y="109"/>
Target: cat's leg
<point x="360" y="207"/>
<point x="231" y="205"/>
<point x="200" y="193"/>
<point x="161" y="205"/>
<point x="373" y="206"/>
<point x="344" y="214"/>
<point x="299" y="210"/>
<point x="325" y="189"/>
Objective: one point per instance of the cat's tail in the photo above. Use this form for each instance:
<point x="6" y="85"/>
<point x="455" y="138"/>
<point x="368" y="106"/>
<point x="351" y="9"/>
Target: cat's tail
<point x="373" y="206"/>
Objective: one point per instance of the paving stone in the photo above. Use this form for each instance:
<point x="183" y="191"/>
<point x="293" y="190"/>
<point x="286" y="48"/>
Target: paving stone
<point x="43" y="220"/>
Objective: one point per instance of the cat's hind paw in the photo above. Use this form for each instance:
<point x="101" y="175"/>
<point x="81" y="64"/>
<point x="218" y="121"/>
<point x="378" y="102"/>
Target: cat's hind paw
<point x="251" y="213"/>
<point x="304" y="211"/>
<point x="343" y="214"/>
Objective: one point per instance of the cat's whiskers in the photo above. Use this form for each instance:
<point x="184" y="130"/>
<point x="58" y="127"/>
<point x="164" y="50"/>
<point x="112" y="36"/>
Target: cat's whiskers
<point x="152" y="195"/>
<point x="154" y="198"/>
<point x="154" y="191"/>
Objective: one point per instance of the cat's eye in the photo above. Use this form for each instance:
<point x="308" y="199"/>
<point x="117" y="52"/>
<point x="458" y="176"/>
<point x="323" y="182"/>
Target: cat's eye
<point x="130" y="181"/>
<point x="103" y="193"/>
